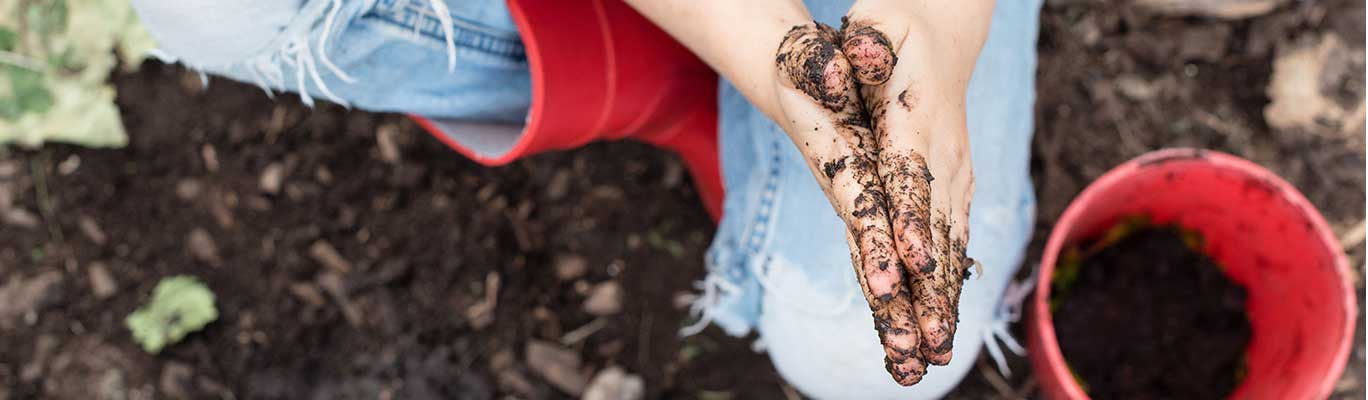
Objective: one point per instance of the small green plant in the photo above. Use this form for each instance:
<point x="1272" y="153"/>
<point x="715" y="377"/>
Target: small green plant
<point x="55" y="63"/>
<point x="179" y="306"/>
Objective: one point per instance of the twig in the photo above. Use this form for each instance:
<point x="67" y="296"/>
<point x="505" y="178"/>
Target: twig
<point x="40" y="189"/>
<point x="583" y="332"/>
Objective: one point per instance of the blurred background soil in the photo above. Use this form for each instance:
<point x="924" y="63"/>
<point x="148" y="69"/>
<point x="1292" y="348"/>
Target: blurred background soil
<point x="354" y="256"/>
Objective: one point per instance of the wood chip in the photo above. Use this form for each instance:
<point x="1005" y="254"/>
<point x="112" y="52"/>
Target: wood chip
<point x="385" y="137"/>
<point x="201" y="245"/>
<point x="1294" y="89"/>
<point x="615" y="384"/>
<point x="91" y="229"/>
<point x="19" y="217"/>
<point x="605" y="299"/>
<point x="326" y="254"/>
<point x="481" y="314"/>
<point x="102" y="283"/>
<point x="210" y="156"/>
<point x="332" y="283"/>
<point x="570" y="266"/>
<point x="308" y="293"/>
<point x="557" y="365"/>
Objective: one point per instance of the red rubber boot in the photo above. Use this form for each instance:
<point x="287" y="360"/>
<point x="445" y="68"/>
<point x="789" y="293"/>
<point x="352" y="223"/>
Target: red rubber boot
<point x="600" y="71"/>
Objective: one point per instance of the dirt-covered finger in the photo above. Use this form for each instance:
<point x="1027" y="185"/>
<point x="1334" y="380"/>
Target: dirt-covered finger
<point x="937" y="294"/>
<point x="809" y="60"/>
<point x="869" y="50"/>
<point x="892" y="313"/>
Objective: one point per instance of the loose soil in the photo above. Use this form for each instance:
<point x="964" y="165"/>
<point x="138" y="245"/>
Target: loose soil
<point x="1149" y="318"/>
<point x="423" y="232"/>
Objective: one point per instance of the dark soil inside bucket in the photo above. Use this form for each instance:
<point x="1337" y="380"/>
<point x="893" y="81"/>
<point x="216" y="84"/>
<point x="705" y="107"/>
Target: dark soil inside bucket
<point x="1146" y="317"/>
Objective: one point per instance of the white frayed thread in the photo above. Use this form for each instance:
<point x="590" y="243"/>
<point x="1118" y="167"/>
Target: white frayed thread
<point x="323" y="43"/>
<point x="449" y="33"/>
<point x="266" y="72"/>
<point x="1008" y="312"/>
<point x="713" y="287"/>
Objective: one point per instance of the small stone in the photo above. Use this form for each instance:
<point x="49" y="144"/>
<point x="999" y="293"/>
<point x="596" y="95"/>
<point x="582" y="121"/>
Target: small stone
<point x="1136" y="88"/>
<point x="188" y="189"/>
<point x="570" y="267"/>
<point x="682" y="300"/>
<point x="101" y="281"/>
<point x="69" y="165"/>
<point x="20" y="217"/>
<point x="557" y="365"/>
<point x="605" y="299"/>
<point x="326" y="254"/>
<point x="91" y="230"/>
<point x="323" y="175"/>
<point x="615" y="384"/>
<point x="271" y="177"/>
<point x="201" y="245"/>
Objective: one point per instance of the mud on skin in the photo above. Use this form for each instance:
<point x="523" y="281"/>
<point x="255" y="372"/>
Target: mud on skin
<point x="869" y="51"/>
<point x="934" y="267"/>
<point x="808" y="58"/>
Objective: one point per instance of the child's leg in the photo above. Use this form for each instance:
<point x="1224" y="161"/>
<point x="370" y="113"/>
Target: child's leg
<point x="380" y="55"/>
<point x="780" y="264"/>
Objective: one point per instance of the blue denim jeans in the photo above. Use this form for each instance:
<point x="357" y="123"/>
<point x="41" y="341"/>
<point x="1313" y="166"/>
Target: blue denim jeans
<point x="779" y="263"/>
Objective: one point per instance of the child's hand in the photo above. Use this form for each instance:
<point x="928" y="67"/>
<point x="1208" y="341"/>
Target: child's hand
<point x="913" y="61"/>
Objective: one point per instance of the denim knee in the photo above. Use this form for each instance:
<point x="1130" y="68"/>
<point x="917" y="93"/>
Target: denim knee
<point x="211" y="32"/>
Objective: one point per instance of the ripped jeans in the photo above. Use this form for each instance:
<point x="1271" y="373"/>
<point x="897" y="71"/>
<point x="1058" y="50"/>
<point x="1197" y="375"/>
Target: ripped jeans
<point x="779" y="263"/>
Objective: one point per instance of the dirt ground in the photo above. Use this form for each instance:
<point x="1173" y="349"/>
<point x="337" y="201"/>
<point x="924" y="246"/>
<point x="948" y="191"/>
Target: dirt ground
<point x="353" y="256"/>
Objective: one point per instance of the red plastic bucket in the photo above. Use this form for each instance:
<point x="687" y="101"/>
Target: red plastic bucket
<point x="1270" y="239"/>
<point x="600" y="71"/>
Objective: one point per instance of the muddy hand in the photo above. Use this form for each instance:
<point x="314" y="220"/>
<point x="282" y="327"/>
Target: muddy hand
<point x="912" y="83"/>
<point x="827" y="121"/>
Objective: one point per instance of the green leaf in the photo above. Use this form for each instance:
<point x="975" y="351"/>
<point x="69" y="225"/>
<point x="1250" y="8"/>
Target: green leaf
<point x="48" y="17"/>
<point x="180" y="305"/>
<point x="8" y="38"/>
<point x="30" y="94"/>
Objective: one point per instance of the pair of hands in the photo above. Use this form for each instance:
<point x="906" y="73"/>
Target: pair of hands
<point x="877" y="109"/>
